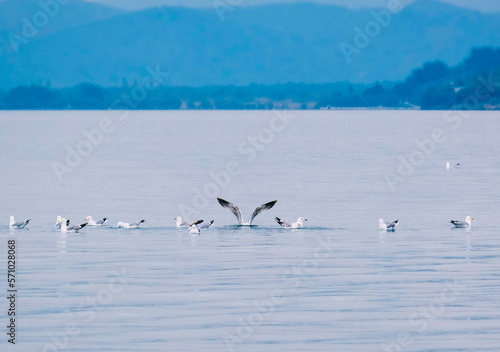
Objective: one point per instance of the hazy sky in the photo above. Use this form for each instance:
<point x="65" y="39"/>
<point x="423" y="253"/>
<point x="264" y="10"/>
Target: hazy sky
<point x="483" y="5"/>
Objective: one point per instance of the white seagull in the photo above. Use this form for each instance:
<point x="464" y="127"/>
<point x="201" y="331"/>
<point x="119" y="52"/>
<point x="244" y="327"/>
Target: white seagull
<point x="287" y="225"/>
<point x="466" y="223"/>
<point x="236" y="211"/>
<point x="449" y="166"/>
<point x="65" y="226"/>
<point x="179" y="222"/>
<point x="133" y="225"/>
<point x="389" y="226"/>
<point x="58" y="222"/>
<point x="92" y="222"/>
<point x="206" y="225"/>
<point x="194" y="229"/>
<point x="18" y="225"/>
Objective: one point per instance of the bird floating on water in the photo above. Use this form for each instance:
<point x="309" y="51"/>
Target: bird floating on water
<point x="449" y="166"/>
<point x="389" y="226"/>
<point x="206" y="225"/>
<point x="66" y="228"/>
<point x="287" y="225"/>
<point x="58" y="222"/>
<point x="133" y="225"/>
<point x="194" y="229"/>
<point x="92" y="222"/>
<point x="466" y="223"/>
<point x="236" y="211"/>
<point x="18" y="225"/>
<point x="179" y="222"/>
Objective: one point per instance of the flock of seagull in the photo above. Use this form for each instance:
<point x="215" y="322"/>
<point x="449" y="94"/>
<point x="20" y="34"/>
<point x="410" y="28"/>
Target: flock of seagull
<point x="195" y="227"/>
<point x="64" y="224"/>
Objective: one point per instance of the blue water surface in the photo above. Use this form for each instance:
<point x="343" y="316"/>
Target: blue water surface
<point x="338" y="284"/>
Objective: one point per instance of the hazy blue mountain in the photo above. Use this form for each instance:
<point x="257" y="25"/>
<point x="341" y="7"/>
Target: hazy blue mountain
<point x="262" y="44"/>
<point x="483" y="5"/>
<point x="15" y="13"/>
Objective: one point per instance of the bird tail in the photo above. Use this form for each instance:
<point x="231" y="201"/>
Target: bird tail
<point x="381" y="224"/>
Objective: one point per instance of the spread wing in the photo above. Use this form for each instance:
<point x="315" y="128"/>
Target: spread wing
<point x="283" y="222"/>
<point x="260" y="209"/>
<point x="234" y="209"/>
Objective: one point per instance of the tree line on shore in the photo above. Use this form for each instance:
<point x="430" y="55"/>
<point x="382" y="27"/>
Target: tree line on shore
<point x="474" y="84"/>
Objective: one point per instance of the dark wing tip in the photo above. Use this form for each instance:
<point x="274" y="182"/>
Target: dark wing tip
<point x="222" y="202"/>
<point x="271" y="204"/>
<point x="197" y="222"/>
<point x="83" y="225"/>
<point x="212" y="222"/>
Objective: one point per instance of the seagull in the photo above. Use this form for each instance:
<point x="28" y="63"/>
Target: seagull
<point x="236" y="211"/>
<point x="287" y="225"/>
<point x="133" y="225"/>
<point x="18" y="225"/>
<point x="206" y="225"/>
<point x="466" y="223"/>
<point x="179" y="222"/>
<point x="194" y="229"/>
<point x="58" y="223"/>
<point x="92" y="222"/>
<point x="389" y="226"/>
<point x="65" y="226"/>
<point x="449" y="166"/>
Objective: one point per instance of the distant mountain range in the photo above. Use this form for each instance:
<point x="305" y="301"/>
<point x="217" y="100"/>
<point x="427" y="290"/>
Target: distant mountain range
<point x="300" y="42"/>
<point x="60" y="18"/>
<point x="471" y="85"/>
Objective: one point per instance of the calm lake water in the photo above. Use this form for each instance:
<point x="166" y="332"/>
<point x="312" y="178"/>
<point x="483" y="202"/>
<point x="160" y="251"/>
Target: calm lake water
<point x="339" y="284"/>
